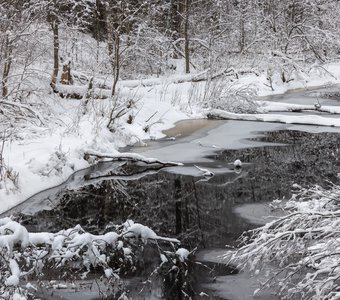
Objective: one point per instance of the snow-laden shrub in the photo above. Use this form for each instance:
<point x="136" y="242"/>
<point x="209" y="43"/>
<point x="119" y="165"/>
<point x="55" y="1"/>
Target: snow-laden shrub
<point x="229" y="96"/>
<point x="304" y="247"/>
<point x="74" y="253"/>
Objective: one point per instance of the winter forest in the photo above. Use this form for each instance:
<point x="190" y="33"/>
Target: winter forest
<point x="169" y="149"/>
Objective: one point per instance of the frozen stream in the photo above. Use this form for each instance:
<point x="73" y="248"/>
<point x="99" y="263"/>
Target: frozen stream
<point x="202" y="212"/>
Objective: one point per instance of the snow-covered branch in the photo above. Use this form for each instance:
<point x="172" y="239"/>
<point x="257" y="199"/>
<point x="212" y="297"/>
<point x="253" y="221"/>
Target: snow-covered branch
<point x="25" y="255"/>
<point x="129" y="157"/>
<point x="304" y="246"/>
<point x="20" y="111"/>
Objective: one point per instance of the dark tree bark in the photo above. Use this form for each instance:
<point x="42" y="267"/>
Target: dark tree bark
<point x="117" y="62"/>
<point x="55" y="29"/>
<point x="186" y="36"/>
<point x="66" y="77"/>
<point x="7" y="66"/>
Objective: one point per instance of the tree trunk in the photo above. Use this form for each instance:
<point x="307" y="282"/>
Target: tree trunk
<point x="242" y="40"/>
<point x="66" y="77"/>
<point x="113" y="45"/>
<point x="175" y="21"/>
<point x="55" y="29"/>
<point x="117" y="62"/>
<point x="186" y="37"/>
<point x="97" y="14"/>
<point x="115" y="74"/>
<point x="7" y="66"/>
<point x="242" y="34"/>
<point x="110" y="41"/>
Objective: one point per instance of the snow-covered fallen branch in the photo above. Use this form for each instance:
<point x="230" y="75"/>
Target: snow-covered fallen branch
<point x="127" y="156"/>
<point x="201" y="76"/>
<point x="304" y="245"/>
<point x="269" y="106"/>
<point x="275" y="118"/>
<point x="25" y="255"/>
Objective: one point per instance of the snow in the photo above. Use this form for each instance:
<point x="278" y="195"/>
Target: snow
<point x="237" y="163"/>
<point x="19" y="234"/>
<point x="108" y="272"/>
<point x="144" y="232"/>
<point x="30" y="286"/>
<point x="74" y="245"/>
<point x="46" y="156"/>
<point x="163" y="258"/>
<point x="205" y="172"/>
<point x="182" y="254"/>
<point x="17" y="296"/>
<point x="37" y="238"/>
<point x="127" y="251"/>
<point x="287" y="119"/>
<point x="65" y="136"/>
<point x="13" y="280"/>
<point x="60" y="286"/>
<point x="127" y="156"/>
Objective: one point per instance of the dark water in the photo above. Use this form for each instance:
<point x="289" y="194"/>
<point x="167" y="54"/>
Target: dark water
<point x="197" y="210"/>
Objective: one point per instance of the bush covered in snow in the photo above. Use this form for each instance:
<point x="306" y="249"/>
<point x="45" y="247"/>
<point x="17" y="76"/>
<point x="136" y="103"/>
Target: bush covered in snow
<point x="304" y="245"/>
<point x="74" y="253"/>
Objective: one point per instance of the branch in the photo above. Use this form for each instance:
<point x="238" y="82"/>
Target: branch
<point x="22" y="109"/>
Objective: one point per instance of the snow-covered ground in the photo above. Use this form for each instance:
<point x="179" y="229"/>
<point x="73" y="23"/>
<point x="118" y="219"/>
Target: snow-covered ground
<point x="45" y="156"/>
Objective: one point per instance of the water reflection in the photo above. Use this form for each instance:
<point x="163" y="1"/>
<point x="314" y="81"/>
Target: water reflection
<point x="199" y="210"/>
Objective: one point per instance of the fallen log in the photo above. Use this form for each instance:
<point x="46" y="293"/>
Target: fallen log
<point x="127" y="156"/>
<point x="218" y="114"/>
